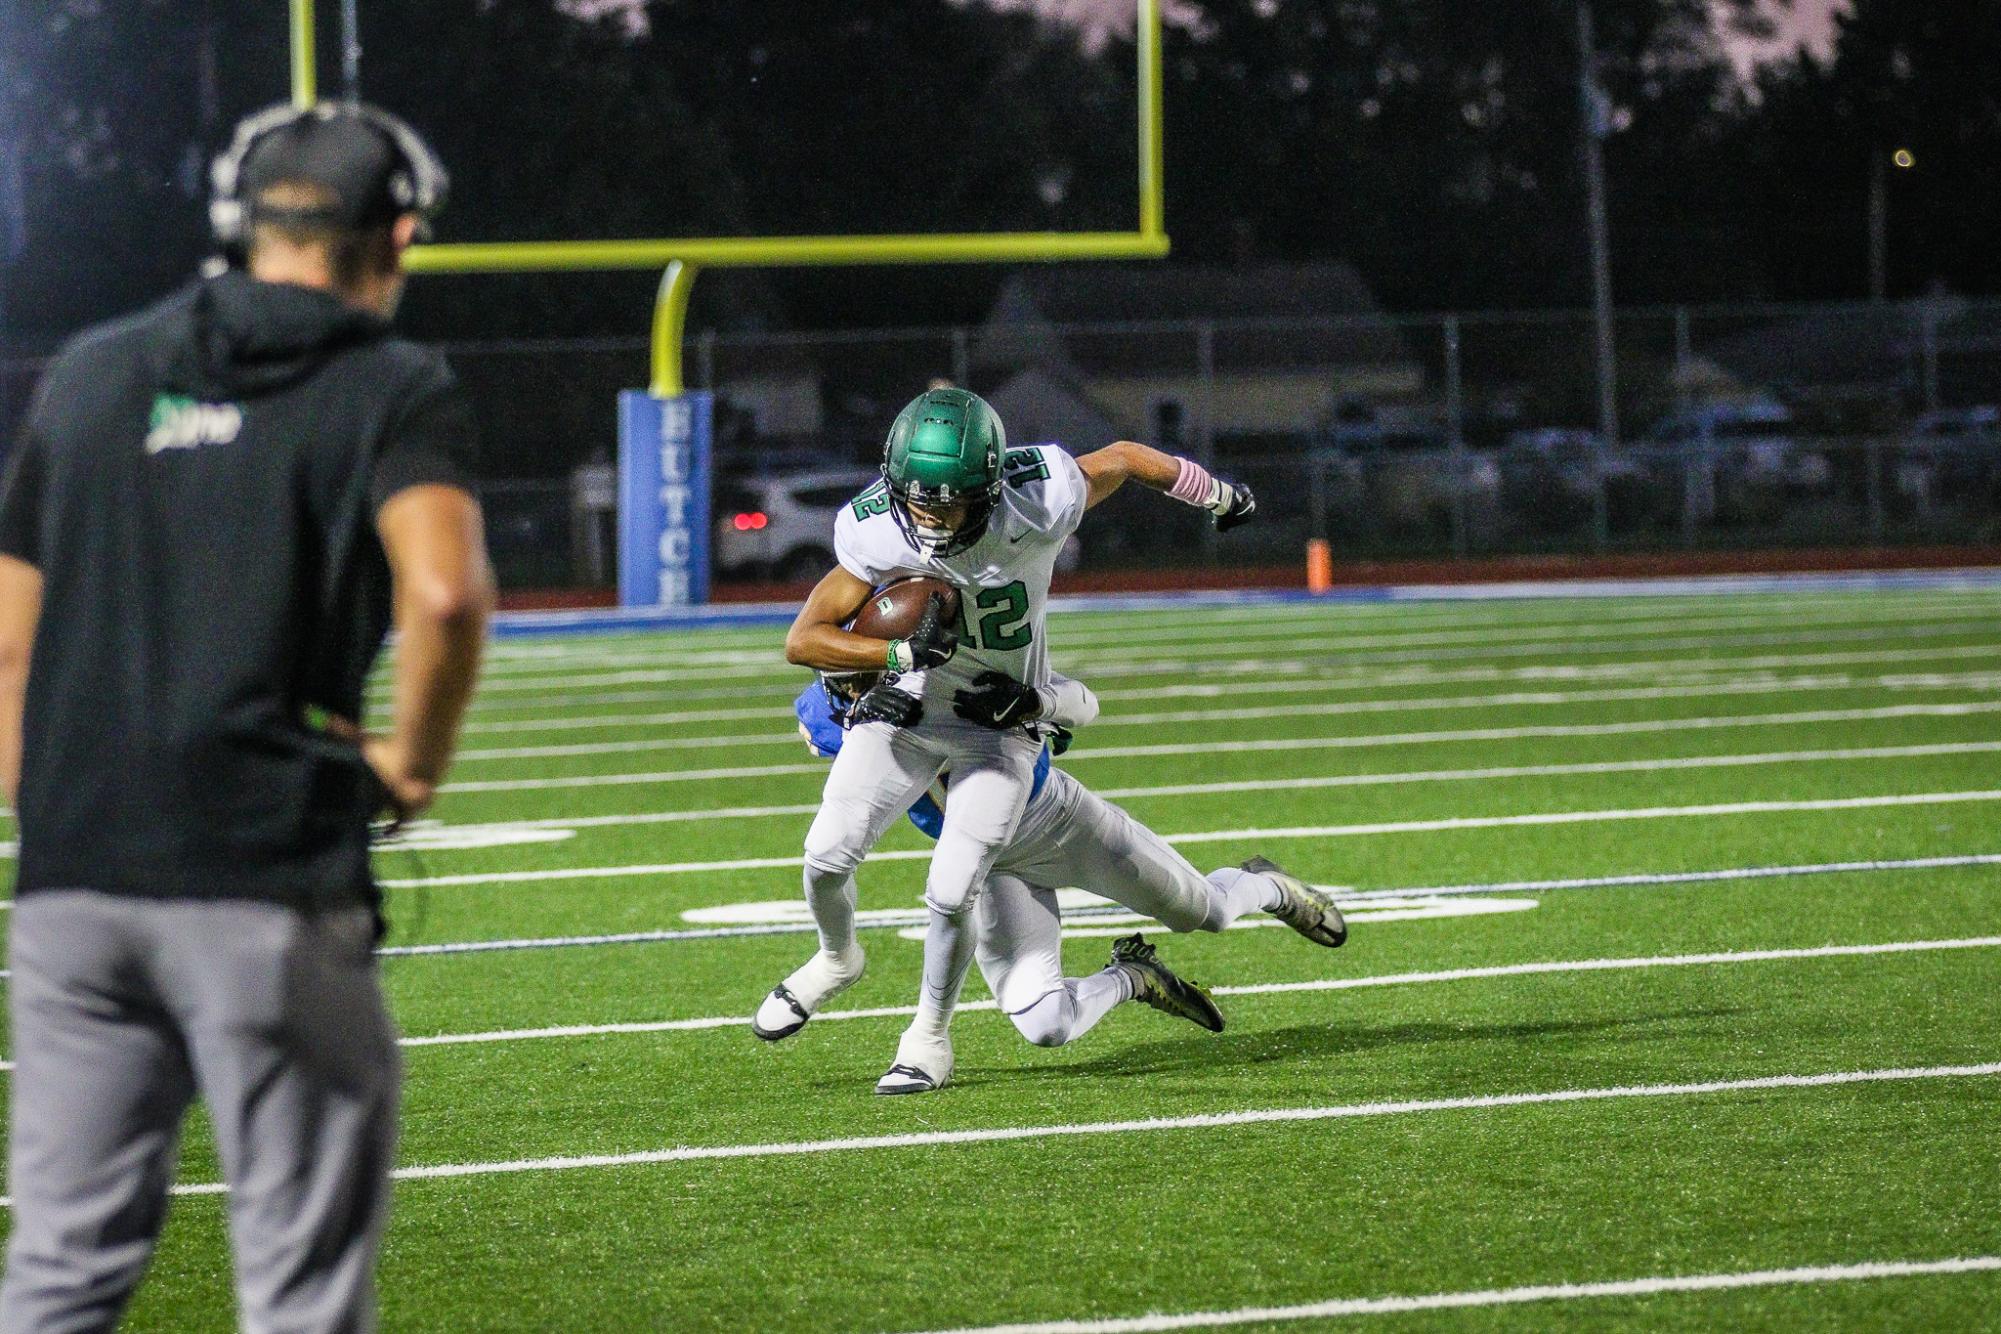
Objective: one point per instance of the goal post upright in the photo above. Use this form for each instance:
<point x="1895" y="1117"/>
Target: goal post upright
<point x="305" y="70"/>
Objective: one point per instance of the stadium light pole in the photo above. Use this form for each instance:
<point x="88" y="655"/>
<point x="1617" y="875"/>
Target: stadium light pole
<point x="1594" y="116"/>
<point x="1880" y="161"/>
<point x="350" y="51"/>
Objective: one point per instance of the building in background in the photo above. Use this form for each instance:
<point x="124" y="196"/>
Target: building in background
<point x="1185" y="355"/>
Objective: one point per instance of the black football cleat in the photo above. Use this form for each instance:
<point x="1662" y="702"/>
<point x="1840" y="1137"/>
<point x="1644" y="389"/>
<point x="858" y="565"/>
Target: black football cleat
<point x="1155" y="984"/>
<point x="1307" y="910"/>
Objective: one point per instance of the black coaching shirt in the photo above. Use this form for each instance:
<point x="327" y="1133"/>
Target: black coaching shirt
<point x="198" y="486"/>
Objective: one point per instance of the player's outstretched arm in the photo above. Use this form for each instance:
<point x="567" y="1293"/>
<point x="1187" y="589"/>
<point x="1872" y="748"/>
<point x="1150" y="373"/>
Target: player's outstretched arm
<point x="1106" y="470"/>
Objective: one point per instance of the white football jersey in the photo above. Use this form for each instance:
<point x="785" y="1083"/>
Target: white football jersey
<point x="1003" y="579"/>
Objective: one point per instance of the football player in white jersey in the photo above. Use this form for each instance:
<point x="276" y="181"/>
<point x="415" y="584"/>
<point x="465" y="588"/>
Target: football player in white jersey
<point x="1069" y="836"/>
<point x="954" y="504"/>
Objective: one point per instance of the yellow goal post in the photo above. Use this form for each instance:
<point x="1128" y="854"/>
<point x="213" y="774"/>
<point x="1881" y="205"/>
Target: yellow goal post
<point x="681" y="258"/>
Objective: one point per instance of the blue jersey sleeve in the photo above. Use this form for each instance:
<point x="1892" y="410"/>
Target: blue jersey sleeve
<point x="816" y="721"/>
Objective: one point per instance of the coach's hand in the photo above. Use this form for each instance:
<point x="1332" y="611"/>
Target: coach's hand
<point x="1234" y="505"/>
<point x="997" y="700"/>
<point x="408" y="795"/>
<point x="887" y="704"/>
<point x="931" y="644"/>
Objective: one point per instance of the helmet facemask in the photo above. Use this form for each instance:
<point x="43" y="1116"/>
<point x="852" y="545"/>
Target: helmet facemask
<point x="976" y="509"/>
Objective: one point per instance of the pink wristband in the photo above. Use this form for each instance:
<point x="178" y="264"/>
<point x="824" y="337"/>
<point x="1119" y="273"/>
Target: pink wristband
<point x="1193" y="485"/>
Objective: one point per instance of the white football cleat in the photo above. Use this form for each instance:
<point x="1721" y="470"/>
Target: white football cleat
<point x="793" y="1001"/>
<point x="923" y="1065"/>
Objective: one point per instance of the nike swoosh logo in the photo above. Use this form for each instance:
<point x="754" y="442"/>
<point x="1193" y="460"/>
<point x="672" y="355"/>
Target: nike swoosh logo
<point x="1016" y="538"/>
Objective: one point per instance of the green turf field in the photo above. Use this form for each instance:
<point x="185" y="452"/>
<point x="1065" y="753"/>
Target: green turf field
<point x="1675" y="955"/>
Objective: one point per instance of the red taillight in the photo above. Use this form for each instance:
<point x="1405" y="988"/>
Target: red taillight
<point x="745" y="523"/>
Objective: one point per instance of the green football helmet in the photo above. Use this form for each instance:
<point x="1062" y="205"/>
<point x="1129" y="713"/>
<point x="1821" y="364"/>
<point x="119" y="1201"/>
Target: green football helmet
<point x="944" y="450"/>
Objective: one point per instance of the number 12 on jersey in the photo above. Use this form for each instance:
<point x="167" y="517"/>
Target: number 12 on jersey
<point x="1000" y="619"/>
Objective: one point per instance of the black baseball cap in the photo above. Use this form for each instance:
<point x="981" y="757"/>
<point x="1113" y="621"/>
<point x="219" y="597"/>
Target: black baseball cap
<point x="346" y="156"/>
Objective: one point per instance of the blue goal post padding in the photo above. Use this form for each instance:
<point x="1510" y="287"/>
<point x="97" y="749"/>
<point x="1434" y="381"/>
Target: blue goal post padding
<point x="664" y="465"/>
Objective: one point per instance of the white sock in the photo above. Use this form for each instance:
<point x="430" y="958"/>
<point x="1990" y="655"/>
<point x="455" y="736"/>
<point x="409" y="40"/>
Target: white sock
<point x="831" y="895"/>
<point x="819" y="977"/>
<point x="948" y="954"/>
<point x="1234" y="892"/>
<point x="1095" y="996"/>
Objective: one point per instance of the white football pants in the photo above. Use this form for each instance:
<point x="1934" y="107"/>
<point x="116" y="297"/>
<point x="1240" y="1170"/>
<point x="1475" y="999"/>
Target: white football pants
<point x="1072" y="838"/>
<point x="881" y="770"/>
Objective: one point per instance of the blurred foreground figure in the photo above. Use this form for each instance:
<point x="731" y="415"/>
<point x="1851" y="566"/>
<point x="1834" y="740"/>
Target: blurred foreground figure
<point x="213" y="513"/>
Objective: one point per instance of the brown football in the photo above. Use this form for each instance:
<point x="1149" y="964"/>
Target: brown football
<point x="893" y="610"/>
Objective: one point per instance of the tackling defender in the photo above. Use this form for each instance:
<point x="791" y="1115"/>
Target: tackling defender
<point x="1070" y="836"/>
<point x="954" y="504"/>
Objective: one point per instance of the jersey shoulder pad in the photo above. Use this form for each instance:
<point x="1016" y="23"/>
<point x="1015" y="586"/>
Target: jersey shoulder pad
<point x="867" y="542"/>
<point x="872" y="503"/>
<point x="1047" y="486"/>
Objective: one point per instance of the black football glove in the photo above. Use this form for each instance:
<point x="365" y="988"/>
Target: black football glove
<point x="1236" y="505"/>
<point x="887" y="704"/>
<point x="997" y="700"/>
<point x="931" y="644"/>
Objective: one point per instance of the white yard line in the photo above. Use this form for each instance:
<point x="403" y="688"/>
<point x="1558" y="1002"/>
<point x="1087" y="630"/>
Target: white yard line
<point x="621" y="780"/>
<point x="886" y="921"/>
<point x="1335" y="1308"/>
<point x="1164" y="627"/>
<point x="1530" y="730"/>
<point x="1592" y="817"/>
<point x="1126" y="663"/>
<point x="1661" y="764"/>
<point x="781" y="693"/>
<point x="1170" y="633"/>
<point x="657" y="817"/>
<point x="1142" y="626"/>
<point x="1978" y="681"/>
<point x="1442" y="606"/>
<point x="1542" y="968"/>
<point x="1087" y="752"/>
<point x="1158" y="1125"/>
<point x="1662" y="672"/>
<point x="1642" y="879"/>
<point x="1254" y="835"/>
<point x="1311" y="673"/>
<point x="743" y="740"/>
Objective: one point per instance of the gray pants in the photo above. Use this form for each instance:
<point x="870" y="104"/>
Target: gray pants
<point x="123" y="1010"/>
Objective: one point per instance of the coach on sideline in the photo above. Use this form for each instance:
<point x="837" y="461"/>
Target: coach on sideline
<point x="212" y="512"/>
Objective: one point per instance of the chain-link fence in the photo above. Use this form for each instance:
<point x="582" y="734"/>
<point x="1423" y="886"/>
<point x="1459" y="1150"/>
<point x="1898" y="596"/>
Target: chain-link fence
<point x="1452" y="434"/>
